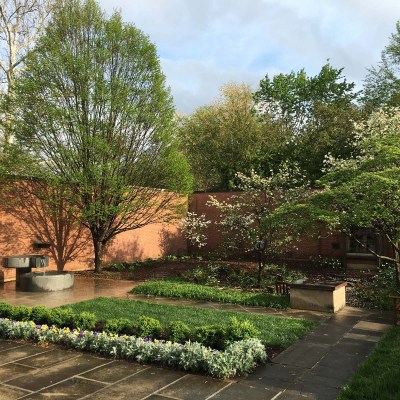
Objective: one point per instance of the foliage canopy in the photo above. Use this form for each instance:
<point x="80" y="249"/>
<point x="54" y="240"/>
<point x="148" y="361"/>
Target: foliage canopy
<point x="364" y="192"/>
<point x="92" y="106"/>
<point x="382" y="84"/>
<point x="223" y="138"/>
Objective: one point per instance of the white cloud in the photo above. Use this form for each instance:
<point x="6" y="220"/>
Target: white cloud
<point x="203" y="44"/>
<point x="197" y="83"/>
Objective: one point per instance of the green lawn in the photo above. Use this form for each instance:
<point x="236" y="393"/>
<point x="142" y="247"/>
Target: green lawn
<point x="182" y="289"/>
<point x="378" y="378"/>
<point x="274" y="331"/>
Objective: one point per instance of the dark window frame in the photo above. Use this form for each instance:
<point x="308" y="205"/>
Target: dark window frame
<point x="366" y="236"/>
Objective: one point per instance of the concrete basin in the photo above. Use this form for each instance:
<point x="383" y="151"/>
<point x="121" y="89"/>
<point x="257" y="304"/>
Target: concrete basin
<point x="50" y="281"/>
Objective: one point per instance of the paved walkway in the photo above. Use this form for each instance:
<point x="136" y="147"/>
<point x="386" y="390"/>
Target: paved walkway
<point x="84" y="289"/>
<point x="313" y="368"/>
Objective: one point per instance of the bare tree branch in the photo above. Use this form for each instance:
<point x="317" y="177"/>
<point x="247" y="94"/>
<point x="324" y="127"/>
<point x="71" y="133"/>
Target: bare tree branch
<point x="21" y="23"/>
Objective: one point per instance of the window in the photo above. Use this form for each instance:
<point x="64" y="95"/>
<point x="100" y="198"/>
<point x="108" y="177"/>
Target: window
<point x="363" y="238"/>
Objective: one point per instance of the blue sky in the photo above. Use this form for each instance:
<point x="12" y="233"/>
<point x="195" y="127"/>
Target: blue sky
<point x="203" y="44"/>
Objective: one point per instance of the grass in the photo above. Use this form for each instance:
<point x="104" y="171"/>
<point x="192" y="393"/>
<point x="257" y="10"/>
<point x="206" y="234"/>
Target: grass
<point x="379" y="375"/>
<point x="274" y="331"/>
<point x="182" y="289"/>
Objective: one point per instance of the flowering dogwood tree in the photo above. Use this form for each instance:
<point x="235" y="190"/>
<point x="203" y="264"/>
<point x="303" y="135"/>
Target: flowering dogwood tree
<point x="194" y="228"/>
<point x="364" y="192"/>
<point x="253" y="221"/>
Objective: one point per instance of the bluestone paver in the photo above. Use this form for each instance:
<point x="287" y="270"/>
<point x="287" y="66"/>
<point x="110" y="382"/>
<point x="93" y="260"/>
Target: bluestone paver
<point x="41" y="378"/>
<point x="140" y="385"/>
<point x="315" y="367"/>
<point x="70" y="389"/>
<point x="7" y="393"/>
<point x="191" y="387"/>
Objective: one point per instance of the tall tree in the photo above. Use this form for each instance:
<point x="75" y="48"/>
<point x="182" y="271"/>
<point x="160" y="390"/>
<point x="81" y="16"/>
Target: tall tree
<point x="292" y="98"/>
<point x="223" y="138"/>
<point x="312" y="116"/>
<point x="382" y="84"/>
<point x="92" y="106"/>
<point x="332" y="132"/>
<point x="364" y="192"/>
<point x="21" y="23"/>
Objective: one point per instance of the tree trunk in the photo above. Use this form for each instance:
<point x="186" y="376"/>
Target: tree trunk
<point x="397" y="269"/>
<point x="260" y="268"/>
<point x="60" y="265"/>
<point x="98" y="248"/>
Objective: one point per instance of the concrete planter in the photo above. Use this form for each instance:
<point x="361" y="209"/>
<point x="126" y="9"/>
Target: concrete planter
<point x="319" y="296"/>
<point x="46" y="281"/>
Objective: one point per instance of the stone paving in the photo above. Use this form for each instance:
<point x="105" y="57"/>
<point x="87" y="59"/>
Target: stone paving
<point x="84" y="289"/>
<point x="313" y="368"/>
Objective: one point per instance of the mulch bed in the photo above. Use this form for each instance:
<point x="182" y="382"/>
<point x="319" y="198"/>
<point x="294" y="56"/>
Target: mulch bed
<point x="157" y="270"/>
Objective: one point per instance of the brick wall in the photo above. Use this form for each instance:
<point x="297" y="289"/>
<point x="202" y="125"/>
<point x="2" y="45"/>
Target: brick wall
<point x="151" y="241"/>
<point x="326" y="245"/>
<point x="320" y="243"/>
<point x="157" y="240"/>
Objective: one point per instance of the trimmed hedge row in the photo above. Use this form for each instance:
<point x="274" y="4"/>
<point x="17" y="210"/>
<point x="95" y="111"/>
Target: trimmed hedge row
<point x="179" y="289"/>
<point x="239" y="357"/>
<point x="214" y="336"/>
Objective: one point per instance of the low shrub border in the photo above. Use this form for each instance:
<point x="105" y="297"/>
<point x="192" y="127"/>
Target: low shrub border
<point x="181" y="289"/>
<point x="274" y="331"/>
<point x="238" y="358"/>
<point x="216" y="336"/>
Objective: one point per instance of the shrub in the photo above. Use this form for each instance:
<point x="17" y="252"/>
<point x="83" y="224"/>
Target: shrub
<point x="148" y="327"/>
<point x="40" y="314"/>
<point x="21" y="313"/>
<point x="120" y="325"/>
<point x="61" y="317"/>
<point x="116" y="267"/>
<point x="178" y="331"/>
<point x="5" y="310"/>
<point x="84" y="320"/>
<point x="240" y="330"/>
<point x="211" y="275"/>
<point x="330" y="262"/>
<point x="211" y="336"/>
<point x="375" y="294"/>
<point x="239" y="358"/>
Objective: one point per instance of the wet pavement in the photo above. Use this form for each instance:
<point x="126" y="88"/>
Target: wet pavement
<point x="315" y="367"/>
<point x="84" y="289"/>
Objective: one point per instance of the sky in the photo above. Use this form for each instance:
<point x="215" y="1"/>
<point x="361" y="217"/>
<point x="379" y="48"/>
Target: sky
<point x="204" y="44"/>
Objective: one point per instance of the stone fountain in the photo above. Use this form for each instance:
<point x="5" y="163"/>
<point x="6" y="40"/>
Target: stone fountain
<point x="38" y="281"/>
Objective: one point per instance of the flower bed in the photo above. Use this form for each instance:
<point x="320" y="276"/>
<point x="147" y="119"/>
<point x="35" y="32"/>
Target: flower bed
<point x="238" y="358"/>
<point x="216" y="336"/>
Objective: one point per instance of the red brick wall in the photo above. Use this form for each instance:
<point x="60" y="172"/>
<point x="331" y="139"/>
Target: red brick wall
<point x="151" y="241"/>
<point x="198" y="205"/>
<point x="320" y="243"/>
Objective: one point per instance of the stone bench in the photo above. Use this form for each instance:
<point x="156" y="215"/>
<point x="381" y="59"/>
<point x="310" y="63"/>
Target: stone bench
<point x="318" y="296"/>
